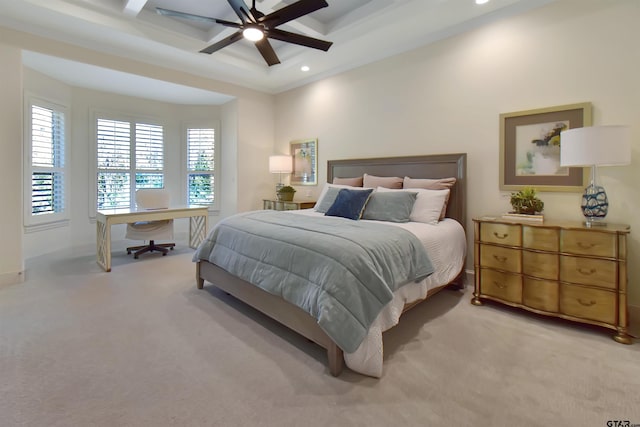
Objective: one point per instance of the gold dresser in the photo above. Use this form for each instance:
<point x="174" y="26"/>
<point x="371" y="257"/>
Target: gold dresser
<point x="560" y="269"/>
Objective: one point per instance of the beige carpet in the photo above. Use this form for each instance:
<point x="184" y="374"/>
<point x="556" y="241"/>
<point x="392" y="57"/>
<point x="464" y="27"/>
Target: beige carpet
<point x="141" y="346"/>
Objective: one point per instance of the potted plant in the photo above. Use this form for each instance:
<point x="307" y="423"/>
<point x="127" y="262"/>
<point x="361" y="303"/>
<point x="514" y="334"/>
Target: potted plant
<point x="285" y="194"/>
<point x="526" y="202"/>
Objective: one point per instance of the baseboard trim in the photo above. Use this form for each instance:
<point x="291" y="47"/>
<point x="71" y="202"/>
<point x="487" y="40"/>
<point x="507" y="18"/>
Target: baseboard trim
<point x="12" y="278"/>
<point x="634" y="321"/>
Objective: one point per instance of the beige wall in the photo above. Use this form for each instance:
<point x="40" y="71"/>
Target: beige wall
<point x="11" y="263"/>
<point x="253" y="154"/>
<point x="447" y="97"/>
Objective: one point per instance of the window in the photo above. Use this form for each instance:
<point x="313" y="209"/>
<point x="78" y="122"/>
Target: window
<point x="129" y="156"/>
<point x="45" y="182"/>
<point x="201" y="168"/>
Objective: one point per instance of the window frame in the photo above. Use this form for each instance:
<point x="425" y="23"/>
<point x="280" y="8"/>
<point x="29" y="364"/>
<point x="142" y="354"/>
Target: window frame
<point x="33" y="223"/>
<point x="133" y="121"/>
<point x="215" y="206"/>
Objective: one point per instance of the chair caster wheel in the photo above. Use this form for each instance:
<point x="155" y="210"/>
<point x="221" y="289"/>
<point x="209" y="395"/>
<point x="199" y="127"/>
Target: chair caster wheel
<point x="171" y="248"/>
<point x="135" y="257"/>
<point x="164" y="254"/>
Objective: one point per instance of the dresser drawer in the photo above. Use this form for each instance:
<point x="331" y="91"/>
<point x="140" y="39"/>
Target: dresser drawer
<point x="540" y="294"/>
<point x="505" y="286"/>
<point x="540" y="264"/>
<point x="505" y="234"/>
<point x="588" y="271"/>
<point x="588" y="303"/>
<point x="544" y="239"/>
<point x="588" y="243"/>
<point x="501" y="258"/>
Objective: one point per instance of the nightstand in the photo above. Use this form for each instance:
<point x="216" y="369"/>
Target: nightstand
<point x="560" y="269"/>
<point x="278" y="205"/>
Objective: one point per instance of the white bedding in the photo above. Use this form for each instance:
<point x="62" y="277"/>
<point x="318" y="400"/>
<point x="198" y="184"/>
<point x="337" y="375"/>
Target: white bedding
<point x="446" y="245"/>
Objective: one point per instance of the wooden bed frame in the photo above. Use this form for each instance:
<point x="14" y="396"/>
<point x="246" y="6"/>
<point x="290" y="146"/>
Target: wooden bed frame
<point x="435" y="166"/>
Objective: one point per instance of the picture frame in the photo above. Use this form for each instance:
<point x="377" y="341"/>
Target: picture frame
<point x="305" y="161"/>
<point x="530" y="148"/>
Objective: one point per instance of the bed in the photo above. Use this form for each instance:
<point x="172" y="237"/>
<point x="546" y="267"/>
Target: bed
<point x="368" y="357"/>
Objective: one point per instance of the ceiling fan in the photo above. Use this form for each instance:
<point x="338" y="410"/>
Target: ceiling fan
<point x="259" y="28"/>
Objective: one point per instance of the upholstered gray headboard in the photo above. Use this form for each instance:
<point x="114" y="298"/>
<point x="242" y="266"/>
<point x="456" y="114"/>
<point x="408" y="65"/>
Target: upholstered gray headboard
<point x="433" y="166"/>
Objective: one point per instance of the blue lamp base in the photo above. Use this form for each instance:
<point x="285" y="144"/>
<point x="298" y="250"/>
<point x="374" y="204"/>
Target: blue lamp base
<point x="595" y="205"/>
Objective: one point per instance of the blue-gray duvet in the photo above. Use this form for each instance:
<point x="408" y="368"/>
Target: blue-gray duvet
<point x="341" y="272"/>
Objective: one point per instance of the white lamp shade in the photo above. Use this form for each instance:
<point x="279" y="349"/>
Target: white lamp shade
<point x="595" y="145"/>
<point x="280" y="164"/>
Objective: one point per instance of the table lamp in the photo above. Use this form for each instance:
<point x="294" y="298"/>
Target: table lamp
<point x="280" y="164"/>
<point x="595" y="146"/>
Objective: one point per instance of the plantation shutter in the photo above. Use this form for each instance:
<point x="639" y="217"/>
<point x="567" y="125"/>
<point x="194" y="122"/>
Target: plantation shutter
<point x="47" y="161"/>
<point x="129" y="156"/>
<point x="149" y="156"/>
<point x="114" y="163"/>
<point x="200" y="166"/>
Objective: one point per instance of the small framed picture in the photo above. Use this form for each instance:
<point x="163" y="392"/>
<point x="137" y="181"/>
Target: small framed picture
<point x="530" y="148"/>
<point x="305" y="162"/>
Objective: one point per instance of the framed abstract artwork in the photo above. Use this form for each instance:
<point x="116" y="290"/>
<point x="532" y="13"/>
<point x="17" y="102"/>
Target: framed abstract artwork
<point x="530" y="148"/>
<point x="305" y="162"/>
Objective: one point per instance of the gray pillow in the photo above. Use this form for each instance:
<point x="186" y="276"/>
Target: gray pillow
<point x="328" y="199"/>
<point x="390" y="206"/>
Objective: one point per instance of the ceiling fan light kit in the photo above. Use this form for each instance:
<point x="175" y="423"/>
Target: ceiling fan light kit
<point x="258" y="27"/>
<point x="252" y="33"/>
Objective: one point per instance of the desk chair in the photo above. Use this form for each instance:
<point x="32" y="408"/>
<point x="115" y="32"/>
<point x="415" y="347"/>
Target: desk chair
<point x="151" y="198"/>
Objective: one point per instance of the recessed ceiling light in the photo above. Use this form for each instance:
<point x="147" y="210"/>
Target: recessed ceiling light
<point x="482" y="1"/>
<point x="305" y="68"/>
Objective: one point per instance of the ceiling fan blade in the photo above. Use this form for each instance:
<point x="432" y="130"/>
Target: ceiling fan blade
<point x="267" y="52"/>
<point x="229" y="23"/>
<point x="294" y="38"/>
<point x="291" y="12"/>
<point x="189" y="16"/>
<point x="223" y="43"/>
<point x="243" y="12"/>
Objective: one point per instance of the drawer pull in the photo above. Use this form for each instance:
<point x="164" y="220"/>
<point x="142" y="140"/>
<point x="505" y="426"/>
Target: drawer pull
<point x="500" y="258"/>
<point x="586" y="303"/>
<point x="500" y="236"/>
<point x="586" y="272"/>
<point x="586" y="245"/>
<point x="500" y="285"/>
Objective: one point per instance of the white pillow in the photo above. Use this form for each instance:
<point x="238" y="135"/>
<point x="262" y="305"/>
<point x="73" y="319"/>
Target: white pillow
<point x="322" y="207"/>
<point x="428" y="204"/>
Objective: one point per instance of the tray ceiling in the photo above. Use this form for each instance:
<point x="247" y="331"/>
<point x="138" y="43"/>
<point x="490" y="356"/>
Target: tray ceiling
<point x="362" y="31"/>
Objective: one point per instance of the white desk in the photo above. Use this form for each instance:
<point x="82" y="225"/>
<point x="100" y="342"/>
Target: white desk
<point x="198" y="218"/>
